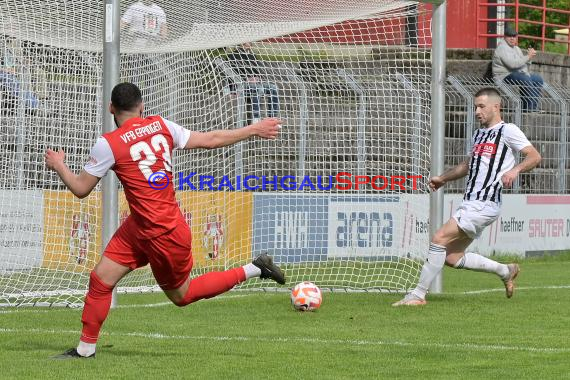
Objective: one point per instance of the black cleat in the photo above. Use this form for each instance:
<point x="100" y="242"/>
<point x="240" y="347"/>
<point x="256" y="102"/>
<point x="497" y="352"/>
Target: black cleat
<point x="268" y="269"/>
<point x="72" y="354"/>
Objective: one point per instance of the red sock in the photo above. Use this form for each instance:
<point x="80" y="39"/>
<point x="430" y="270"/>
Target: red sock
<point x="211" y="284"/>
<point x="96" y="309"/>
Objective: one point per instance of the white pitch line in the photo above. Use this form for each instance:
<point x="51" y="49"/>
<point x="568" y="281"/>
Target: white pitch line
<point x="343" y="342"/>
<point x="229" y="297"/>
<point x="150" y="305"/>
<point x="226" y="297"/>
<point x="145" y="305"/>
<point x="30" y="310"/>
<point x="518" y="288"/>
<point x="27" y="311"/>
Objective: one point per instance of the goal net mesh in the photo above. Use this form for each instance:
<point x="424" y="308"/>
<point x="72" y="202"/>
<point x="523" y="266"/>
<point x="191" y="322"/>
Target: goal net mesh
<point x="349" y="79"/>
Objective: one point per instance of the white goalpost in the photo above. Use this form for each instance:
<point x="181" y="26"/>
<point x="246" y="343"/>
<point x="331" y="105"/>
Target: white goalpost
<point x="350" y="80"/>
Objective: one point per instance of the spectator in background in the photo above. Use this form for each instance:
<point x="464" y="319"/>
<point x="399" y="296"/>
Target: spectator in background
<point x="9" y="79"/>
<point x="145" y="23"/>
<point x="246" y="64"/>
<point x="412" y="25"/>
<point x="512" y="66"/>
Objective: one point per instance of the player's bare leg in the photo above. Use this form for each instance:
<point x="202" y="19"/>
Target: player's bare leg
<point x="455" y="241"/>
<point x="213" y="283"/>
<point x="448" y="240"/>
<point x="102" y="281"/>
<point x="476" y="262"/>
<point x="479" y="263"/>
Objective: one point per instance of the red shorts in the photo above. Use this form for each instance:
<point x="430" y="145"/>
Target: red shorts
<point x="169" y="255"/>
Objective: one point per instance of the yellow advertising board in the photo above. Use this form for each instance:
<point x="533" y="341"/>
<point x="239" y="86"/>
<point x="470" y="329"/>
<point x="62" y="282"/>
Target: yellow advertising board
<point x="221" y="224"/>
<point x="72" y="237"/>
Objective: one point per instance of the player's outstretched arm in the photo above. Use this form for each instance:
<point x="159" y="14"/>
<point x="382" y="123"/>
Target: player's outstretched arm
<point x="531" y="159"/>
<point x="267" y="129"/>
<point x="456" y="172"/>
<point x="80" y="185"/>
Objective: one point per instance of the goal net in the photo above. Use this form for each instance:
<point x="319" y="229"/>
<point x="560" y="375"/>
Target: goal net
<point x="338" y="199"/>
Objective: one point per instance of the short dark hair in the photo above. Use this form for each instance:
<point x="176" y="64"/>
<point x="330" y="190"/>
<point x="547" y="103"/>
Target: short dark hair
<point x="490" y="92"/>
<point x="126" y="96"/>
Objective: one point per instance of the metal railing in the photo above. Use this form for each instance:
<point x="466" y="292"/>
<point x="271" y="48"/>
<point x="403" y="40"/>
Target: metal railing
<point x="509" y="11"/>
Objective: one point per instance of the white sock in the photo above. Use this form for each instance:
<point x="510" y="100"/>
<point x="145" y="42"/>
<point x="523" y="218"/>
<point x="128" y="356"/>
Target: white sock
<point x="430" y="270"/>
<point x="251" y="271"/>
<point x="86" y="349"/>
<point x="476" y="262"/>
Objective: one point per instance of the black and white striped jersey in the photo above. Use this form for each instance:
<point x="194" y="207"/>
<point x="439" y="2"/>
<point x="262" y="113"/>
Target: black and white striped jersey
<point x="492" y="156"/>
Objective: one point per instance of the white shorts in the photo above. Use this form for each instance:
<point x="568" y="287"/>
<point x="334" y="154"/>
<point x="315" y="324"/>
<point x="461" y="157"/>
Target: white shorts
<point x="473" y="216"/>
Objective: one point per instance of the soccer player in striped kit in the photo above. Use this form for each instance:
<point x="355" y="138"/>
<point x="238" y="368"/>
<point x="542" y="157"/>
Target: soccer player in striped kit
<point x="489" y="167"/>
<point x="139" y="151"/>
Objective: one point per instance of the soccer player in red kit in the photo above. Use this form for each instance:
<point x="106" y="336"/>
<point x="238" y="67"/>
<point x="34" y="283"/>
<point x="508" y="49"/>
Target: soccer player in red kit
<point x="139" y="151"/>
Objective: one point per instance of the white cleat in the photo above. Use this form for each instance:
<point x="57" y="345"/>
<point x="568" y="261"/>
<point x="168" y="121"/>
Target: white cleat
<point x="410" y="300"/>
<point x="509" y="281"/>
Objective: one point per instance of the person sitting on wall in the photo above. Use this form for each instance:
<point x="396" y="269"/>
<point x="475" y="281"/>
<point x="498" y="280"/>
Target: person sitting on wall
<point x="244" y="61"/>
<point x="512" y="66"/>
<point x="10" y="77"/>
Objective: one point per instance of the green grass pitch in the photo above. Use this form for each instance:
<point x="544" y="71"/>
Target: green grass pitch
<point x="471" y="331"/>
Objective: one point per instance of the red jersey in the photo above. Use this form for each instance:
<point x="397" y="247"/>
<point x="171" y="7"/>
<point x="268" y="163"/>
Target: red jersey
<point x="140" y="152"/>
